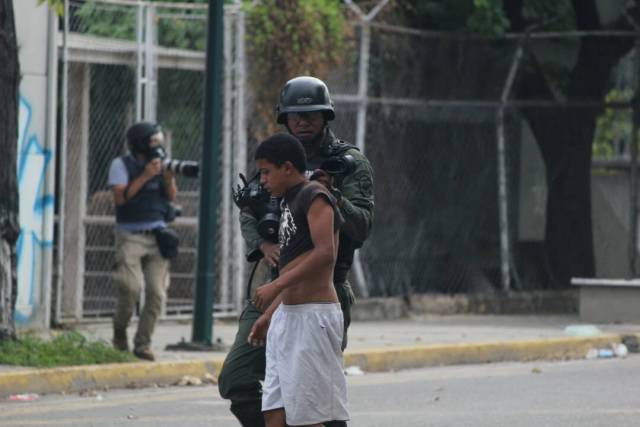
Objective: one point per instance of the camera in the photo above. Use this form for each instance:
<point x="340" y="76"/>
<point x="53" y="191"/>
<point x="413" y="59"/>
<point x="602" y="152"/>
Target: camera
<point x="339" y="165"/>
<point x="265" y="207"/>
<point x="187" y="168"/>
<point x="173" y="211"/>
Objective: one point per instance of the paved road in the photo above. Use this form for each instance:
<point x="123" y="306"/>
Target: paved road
<point x="587" y="393"/>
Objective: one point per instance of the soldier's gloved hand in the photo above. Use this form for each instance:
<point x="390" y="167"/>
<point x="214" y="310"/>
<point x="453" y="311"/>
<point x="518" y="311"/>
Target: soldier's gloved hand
<point x="265" y="295"/>
<point x="322" y="177"/>
<point x="258" y="335"/>
<point x="327" y="180"/>
<point x="271" y="252"/>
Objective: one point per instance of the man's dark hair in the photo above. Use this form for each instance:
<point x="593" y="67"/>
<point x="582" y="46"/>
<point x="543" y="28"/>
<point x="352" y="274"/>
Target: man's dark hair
<point x="280" y="148"/>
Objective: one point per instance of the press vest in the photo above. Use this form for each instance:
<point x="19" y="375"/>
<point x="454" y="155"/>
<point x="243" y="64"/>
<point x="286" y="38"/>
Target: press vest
<point x="149" y="204"/>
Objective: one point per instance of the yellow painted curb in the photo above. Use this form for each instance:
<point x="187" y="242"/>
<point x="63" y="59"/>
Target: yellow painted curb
<point x="391" y="359"/>
<point x="78" y="378"/>
<point x="120" y="375"/>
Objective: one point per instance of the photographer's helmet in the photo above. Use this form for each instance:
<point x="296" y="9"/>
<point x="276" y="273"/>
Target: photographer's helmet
<point x="139" y="135"/>
<point x="304" y="94"/>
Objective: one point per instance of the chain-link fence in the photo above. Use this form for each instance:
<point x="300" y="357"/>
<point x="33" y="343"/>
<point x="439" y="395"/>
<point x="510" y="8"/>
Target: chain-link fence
<point x="125" y="61"/>
<point x="430" y="133"/>
<point x="467" y="151"/>
<point x="478" y="163"/>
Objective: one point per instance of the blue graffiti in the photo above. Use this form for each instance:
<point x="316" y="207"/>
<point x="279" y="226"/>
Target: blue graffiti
<point x="33" y="161"/>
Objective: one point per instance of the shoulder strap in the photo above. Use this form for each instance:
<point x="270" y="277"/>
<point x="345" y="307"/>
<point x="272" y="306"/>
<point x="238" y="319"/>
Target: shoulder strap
<point x="340" y="147"/>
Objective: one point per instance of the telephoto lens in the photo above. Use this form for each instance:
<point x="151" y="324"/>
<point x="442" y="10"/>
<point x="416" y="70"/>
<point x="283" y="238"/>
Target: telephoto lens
<point x="187" y="168"/>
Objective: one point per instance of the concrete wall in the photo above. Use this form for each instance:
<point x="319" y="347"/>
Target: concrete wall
<point x="610" y="210"/>
<point x="610" y="216"/>
<point x="532" y="190"/>
<point x="36" y="163"/>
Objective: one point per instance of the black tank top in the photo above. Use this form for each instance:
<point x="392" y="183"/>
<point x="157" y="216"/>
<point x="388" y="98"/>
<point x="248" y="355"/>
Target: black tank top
<point x="294" y="234"/>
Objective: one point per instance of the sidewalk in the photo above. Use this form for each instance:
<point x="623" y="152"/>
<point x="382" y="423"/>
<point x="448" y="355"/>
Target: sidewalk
<point x="386" y="345"/>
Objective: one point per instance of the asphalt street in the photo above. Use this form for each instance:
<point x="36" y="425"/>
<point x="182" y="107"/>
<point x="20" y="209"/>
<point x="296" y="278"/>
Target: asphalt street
<point x="585" y="393"/>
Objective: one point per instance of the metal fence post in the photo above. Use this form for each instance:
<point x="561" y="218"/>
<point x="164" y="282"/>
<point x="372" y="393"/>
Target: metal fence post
<point x="633" y="184"/>
<point x="363" y="83"/>
<point x="50" y="138"/>
<point x="150" y="65"/>
<point x="209" y="191"/>
<point x="363" y="67"/>
<point x="76" y="184"/>
<point x="225" y="209"/>
<point x="139" y="60"/>
<point x="240" y="161"/>
<point x="63" y="165"/>
<point x="503" y="196"/>
<point x="361" y="121"/>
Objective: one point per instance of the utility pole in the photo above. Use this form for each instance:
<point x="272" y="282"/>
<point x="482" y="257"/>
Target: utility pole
<point x="202" y="328"/>
<point x="209" y="185"/>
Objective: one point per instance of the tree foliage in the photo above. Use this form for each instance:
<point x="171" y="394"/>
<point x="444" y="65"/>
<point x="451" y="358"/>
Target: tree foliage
<point x="56" y="5"/>
<point x="488" y="17"/>
<point x="286" y="38"/>
<point x="614" y="126"/>
<point x="178" y="31"/>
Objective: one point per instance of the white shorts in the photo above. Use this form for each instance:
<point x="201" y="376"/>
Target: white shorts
<point x="305" y="375"/>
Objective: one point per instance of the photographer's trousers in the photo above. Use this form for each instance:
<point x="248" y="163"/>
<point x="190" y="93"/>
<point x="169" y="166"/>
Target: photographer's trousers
<point x="138" y="261"/>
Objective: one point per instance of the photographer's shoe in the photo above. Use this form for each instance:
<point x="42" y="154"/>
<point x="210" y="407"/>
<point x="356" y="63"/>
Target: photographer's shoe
<point x="144" y="353"/>
<point x="120" y="341"/>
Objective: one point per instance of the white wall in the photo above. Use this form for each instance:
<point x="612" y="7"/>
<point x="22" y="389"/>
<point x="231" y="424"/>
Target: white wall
<point x="36" y="163"/>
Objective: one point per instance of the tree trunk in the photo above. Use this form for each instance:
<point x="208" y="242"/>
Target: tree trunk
<point x="9" y="228"/>
<point x="565" y="137"/>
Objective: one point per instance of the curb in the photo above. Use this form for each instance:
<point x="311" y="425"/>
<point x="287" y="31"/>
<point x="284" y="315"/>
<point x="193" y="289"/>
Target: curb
<point x="143" y="374"/>
<point x="116" y="375"/>
<point x="392" y="359"/>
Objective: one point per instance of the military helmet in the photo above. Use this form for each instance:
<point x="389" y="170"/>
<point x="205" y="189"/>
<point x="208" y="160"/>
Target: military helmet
<point x="303" y="94"/>
<point x="138" y="136"/>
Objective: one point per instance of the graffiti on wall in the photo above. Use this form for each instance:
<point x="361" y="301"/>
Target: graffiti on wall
<point x="35" y="206"/>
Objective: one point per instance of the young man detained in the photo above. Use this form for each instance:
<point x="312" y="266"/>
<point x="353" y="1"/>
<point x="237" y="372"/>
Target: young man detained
<point x="304" y="383"/>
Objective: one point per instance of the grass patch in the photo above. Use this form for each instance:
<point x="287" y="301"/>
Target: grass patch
<point x="67" y="349"/>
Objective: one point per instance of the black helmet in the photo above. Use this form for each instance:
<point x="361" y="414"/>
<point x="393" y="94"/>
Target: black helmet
<point x="138" y="136"/>
<point x="304" y="94"/>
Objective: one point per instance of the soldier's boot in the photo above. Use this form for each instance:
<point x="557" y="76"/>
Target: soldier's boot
<point x="144" y="353"/>
<point x="120" y="341"/>
<point x="249" y="413"/>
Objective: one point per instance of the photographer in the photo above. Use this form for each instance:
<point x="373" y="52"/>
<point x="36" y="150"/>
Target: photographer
<point x="305" y="109"/>
<point x="142" y="191"/>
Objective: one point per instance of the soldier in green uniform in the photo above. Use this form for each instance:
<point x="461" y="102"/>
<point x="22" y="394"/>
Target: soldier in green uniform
<point x="305" y="109"/>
